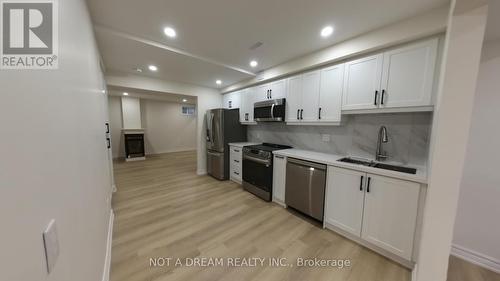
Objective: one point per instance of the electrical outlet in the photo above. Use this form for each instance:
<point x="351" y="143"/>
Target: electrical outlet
<point x="51" y="245"/>
<point x="325" y="137"/>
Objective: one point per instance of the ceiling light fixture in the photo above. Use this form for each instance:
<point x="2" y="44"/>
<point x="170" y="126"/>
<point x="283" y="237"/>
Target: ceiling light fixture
<point x="125" y="94"/>
<point x="184" y="100"/>
<point x="139" y="70"/>
<point x="326" y="31"/>
<point x="170" y="32"/>
<point x="153" y="68"/>
<point x="218" y="82"/>
<point x="254" y="63"/>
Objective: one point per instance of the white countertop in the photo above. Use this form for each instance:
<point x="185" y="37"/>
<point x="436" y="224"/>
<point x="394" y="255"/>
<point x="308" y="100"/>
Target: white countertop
<point x="242" y="144"/>
<point x="331" y="160"/>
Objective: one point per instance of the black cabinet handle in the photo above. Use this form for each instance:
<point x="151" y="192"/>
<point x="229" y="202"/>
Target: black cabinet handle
<point x="237" y="161"/>
<point x="319" y="114"/>
<point x="107" y="128"/>
<point x="382" y="98"/>
<point x="271" y="93"/>
<point x="109" y="142"/>
<point x="298" y="112"/>
<point x="368" y="185"/>
<point x="236" y="173"/>
<point x="301" y="112"/>
<point x="376" y="96"/>
<point x="361" y="184"/>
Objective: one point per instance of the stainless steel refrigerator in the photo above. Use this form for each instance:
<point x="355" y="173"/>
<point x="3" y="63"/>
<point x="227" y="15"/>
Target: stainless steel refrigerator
<point x="223" y="127"/>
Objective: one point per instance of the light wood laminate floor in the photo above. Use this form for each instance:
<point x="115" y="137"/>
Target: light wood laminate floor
<point x="164" y="210"/>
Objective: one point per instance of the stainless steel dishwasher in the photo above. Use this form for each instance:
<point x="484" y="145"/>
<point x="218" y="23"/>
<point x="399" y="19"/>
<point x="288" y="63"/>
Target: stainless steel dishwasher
<point x="305" y="187"/>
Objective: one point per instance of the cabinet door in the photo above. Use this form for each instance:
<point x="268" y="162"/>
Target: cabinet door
<point x="277" y="89"/>
<point x="310" y="96"/>
<point x="293" y="98"/>
<point x="244" y="105"/>
<point x="362" y="83"/>
<point x="236" y="99"/>
<point x="344" y="199"/>
<point x="330" y="94"/>
<point x="279" y="178"/>
<point x="226" y="100"/>
<point x="390" y="214"/>
<point x="408" y="75"/>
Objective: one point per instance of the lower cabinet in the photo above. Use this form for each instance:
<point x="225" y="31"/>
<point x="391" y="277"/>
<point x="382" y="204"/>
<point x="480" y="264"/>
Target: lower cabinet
<point x="379" y="210"/>
<point x="279" y="178"/>
<point x="235" y="163"/>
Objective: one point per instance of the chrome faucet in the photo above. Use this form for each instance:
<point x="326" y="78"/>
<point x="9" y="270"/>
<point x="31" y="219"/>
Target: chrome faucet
<point x="381" y="155"/>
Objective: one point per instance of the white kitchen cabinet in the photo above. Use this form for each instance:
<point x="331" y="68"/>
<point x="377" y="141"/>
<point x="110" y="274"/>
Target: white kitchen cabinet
<point x="310" y="96"/>
<point x="316" y="96"/>
<point x="399" y="78"/>
<point x="344" y="199"/>
<point x="246" y="107"/>
<point x="381" y="211"/>
<point x="231" y="100"/>
<point x="235" y="163"/>
<point x="408" y="75"/>
<point x="390" y="214"/>
<point x="362" y="83"/>
<point x="293" y="98"/>
<point x="271" y="91"/>
<point x="279" y="179"/>
<point x="330" y="97"/>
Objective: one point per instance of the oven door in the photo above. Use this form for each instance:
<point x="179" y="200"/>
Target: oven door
<point x="258" y="172"/>
<point x="269" y="111"/>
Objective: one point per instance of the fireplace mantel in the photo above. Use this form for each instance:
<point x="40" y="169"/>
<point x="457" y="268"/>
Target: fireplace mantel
<point x="133" y="131"/>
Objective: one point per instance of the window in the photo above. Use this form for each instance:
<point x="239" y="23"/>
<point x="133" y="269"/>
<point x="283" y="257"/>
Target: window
<point x="188" y="110"/>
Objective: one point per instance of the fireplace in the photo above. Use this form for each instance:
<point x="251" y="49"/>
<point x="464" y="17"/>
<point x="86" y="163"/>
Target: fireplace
<point x="134" y="146"/>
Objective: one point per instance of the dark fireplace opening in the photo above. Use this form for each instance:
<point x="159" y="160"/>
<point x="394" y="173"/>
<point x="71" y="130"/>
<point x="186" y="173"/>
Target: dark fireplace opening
<point x="134" y="145"/>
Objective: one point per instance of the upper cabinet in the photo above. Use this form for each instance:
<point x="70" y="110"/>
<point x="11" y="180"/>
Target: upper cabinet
<point x="399" y="78"/>
<point x="270" y="91"/>
<point x="246" y="108"/>
<point x="315" y="97"/>
<point x="362" y="83"/>
<point x="231" y="100"/>
<point x="408" y="75"/>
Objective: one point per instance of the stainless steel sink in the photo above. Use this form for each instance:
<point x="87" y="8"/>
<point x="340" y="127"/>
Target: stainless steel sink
<point x="373" y="164"/>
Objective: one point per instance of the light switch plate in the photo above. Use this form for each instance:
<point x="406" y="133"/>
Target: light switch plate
<point x="51" y="244"/>
<point x="325" y="137"/>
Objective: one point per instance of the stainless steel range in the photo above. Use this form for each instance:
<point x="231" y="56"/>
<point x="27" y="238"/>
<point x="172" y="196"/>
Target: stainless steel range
<point x="258" y="169"/>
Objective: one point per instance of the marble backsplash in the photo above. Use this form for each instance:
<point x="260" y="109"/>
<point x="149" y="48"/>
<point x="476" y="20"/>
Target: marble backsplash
<point x="409" y="136"/>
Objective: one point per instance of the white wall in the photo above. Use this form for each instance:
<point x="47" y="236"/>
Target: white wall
<point x="167" y="130"/>
<point x="207" y="99"/>
<point x="53" y="161"/>
<point x="131" y="113"/>
<point x="477" y="226"/>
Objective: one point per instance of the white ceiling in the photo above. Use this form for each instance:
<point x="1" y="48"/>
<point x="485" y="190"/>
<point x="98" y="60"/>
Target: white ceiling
<point x="214" y="37"/>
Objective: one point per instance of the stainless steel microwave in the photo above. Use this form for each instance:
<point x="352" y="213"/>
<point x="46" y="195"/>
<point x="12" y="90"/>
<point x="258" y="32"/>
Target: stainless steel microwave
<point x="269" y="111"/>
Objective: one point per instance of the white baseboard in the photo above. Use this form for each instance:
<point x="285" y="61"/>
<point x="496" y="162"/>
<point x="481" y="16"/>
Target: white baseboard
<point x="201" y="172"/>
<point x="107" y="261"/>
<point x="476" y="258"/>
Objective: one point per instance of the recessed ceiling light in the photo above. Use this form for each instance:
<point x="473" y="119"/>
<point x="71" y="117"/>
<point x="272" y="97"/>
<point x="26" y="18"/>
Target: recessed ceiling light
<point x="254" y="63"/>
<point x="153" y="68"/>
<point x="125" y="94"/>
<point x="218" y="82"/>
<point x="170" y="32"/>
<point x="326" y="31"/>
<point x="184" y="100"/>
